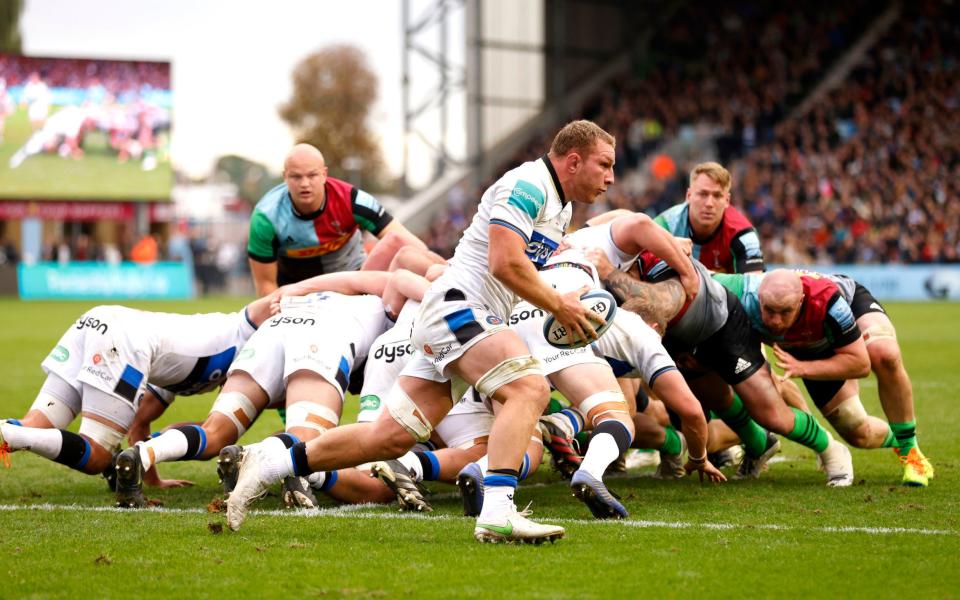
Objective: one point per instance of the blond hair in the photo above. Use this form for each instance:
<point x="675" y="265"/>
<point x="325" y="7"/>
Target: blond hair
<point x="715" y="172"/>
<point x="581" y="136"/>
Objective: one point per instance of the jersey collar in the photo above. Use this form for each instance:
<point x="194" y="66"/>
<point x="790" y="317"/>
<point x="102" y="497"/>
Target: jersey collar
<point x="309" y="216"/>
<point x="704" y="241"/>
<point x="553" y="175"/>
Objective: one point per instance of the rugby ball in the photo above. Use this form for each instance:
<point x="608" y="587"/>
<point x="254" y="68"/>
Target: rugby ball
<point x="599" y="301"/>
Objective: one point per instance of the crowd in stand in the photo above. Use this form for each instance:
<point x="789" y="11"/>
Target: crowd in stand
<point x="870" y="174"/>
<point x="116" y="77"/>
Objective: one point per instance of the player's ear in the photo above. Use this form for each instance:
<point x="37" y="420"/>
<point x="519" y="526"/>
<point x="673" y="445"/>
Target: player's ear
<point x="574" y="161"/>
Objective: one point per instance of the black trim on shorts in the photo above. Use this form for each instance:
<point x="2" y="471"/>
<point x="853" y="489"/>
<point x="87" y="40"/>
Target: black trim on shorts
<point x="454" y="295"/>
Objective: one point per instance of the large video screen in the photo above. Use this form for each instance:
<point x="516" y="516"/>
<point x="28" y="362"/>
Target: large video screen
<point x="79" y="129"/>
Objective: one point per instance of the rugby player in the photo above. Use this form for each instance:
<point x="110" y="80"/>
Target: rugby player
<point x="723" y="239"/>
<point x="461" y="334"/>
<point x="585" y="378"/>
<point x="711" y="340"/>
<point x="830" y="331"/>
<point x="301" y="359"/>
<point x="100" y="369"/>
<point x="616" y="244"/>
<point x="311" y="224"/>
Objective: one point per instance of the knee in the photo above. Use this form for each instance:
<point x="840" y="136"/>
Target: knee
<point x="858" y="437"/>
<point x="533" y="391"/>
<point x="885" y="359"/>
<point x="220" y="431"/>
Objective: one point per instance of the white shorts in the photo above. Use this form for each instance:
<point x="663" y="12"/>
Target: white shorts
<point x="527" y="320"/>
<point x="633" y="349"/>
<point x="388" y="355"/>
<point x="300" y="341"/>
<point x="468" y="423"/>
<point x="448" y="324"/>
<point x="94" y="351"/>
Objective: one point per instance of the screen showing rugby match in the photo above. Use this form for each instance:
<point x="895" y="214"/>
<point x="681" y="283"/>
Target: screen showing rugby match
<point x="79" y="129"/>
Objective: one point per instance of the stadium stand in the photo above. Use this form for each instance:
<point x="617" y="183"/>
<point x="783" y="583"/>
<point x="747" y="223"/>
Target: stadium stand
<point x="837" y="183"/>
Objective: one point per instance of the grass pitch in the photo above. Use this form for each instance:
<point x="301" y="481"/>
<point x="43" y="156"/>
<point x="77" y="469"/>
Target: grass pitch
<point x="784" y="535"/>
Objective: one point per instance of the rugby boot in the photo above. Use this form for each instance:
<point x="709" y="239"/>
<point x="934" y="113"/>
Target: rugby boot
<point x="914" y="470"/>
<point x="470" y="484"/>
<point x="617" y="467"/>
<point x="5" y="449"/>
<point x="671" y="465"/>
<point x="400" y="480"/>
<point x="251" y="485"/>
<point x="750" y="468"/>
<point x="563" y="453"/>
<point x="603" y="503"/>
<point x="637" y="459"/>
<point x="110" y="473"/>
<point x="516" y="527"/>
<point x="838" y="464"/>
<point x="725" y="458"/>
<point x="228" y="467"/>
<point x="130" y="479"/>
<point x="297" y="493"/>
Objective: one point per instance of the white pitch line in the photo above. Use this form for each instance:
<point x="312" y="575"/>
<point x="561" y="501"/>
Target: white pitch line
<point x="369" y="511"/>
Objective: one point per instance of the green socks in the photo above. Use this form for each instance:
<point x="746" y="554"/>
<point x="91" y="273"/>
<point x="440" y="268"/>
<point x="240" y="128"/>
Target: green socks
<point x="891" y="440"/>
<point x="906" y="436"/>
<point x="671" y="442"/>
<point x="807" y="432"/>
<point x="753" y="436"/>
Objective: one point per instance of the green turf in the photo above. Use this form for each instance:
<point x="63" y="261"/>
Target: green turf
<point x="780" y="536"/>
<point x="98" y="175"/>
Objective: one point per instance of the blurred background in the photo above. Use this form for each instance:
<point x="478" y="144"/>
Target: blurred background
<point x="136" y="139"/>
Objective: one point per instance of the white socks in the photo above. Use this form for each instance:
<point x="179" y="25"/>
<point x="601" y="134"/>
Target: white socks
<point x="602" y="451"/>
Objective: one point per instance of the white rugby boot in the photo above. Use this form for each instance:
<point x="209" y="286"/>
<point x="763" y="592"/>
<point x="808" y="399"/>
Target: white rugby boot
<point x="514" y="526"/>
<point x="838" y="464"/>
<point x="252" y="484"/>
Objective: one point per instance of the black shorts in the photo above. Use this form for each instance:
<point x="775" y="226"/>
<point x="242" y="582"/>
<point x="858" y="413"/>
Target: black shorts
<point x="863" y="302"/>
<point x="733" y="352"/>
<point x="821" y="392"/>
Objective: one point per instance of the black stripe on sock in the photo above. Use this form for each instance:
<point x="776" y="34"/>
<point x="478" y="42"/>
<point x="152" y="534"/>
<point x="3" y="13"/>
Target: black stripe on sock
<point x="507" y="472"/>
<point x="287" y="439"/>
<point x="299" y="453"/>
<point x="72" y="450"/>
<point x="618" y="430"/>
<point x="193" y="440"/>
<point x="427" y="466"/>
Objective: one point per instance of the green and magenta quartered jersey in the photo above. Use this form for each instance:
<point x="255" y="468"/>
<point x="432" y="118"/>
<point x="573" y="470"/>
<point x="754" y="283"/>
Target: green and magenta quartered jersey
<point x="326" y="241"/>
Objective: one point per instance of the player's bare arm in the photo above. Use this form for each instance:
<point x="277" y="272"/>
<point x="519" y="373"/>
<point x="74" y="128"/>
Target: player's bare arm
<point x="639" y="232"/>
<point x="264" y="276"/>
<point x="848" y="362"/>
<point x="655" y="303"/>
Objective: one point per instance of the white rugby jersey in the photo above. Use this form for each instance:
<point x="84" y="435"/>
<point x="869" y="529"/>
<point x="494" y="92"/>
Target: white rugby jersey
<point x="601" y="236"/>
<point x="527" y="200"/>
<point x="184" y="354"/>
<point x="365" y="310"/>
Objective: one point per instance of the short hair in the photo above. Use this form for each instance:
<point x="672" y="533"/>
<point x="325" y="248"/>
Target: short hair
<point x="579" y="135"/>
<point x="715" y="172"/>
